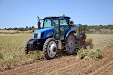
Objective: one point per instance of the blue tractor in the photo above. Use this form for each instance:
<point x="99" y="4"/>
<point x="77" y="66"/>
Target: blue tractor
<point x="55" y="34"/>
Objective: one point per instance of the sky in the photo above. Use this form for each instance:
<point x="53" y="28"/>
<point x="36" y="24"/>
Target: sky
<point x="22" y="13"/>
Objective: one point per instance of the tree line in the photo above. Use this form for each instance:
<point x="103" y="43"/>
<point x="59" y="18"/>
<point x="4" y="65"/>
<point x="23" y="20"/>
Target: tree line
<point x="22" y="28"/>
<point x="103" y="29"/>
<point x="98" y="29"/>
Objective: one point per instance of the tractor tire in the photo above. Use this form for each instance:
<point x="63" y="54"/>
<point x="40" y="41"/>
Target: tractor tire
<point x="70" y="42"/>
<point x="50" y="48"/>
<point x="26" y="46"/>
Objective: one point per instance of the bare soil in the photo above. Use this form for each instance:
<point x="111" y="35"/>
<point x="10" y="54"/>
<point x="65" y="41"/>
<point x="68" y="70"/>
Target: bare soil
<point x="68" y="65"/>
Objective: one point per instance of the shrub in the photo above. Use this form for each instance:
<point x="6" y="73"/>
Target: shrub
<point x="93" y="54"/>
<point x="81" y="54"/>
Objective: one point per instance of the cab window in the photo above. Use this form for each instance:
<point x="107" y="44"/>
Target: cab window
<point x="48" y="23"/>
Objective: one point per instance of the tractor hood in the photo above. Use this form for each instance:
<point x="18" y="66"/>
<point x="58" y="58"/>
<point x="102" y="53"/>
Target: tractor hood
<point x="43" y="33"/>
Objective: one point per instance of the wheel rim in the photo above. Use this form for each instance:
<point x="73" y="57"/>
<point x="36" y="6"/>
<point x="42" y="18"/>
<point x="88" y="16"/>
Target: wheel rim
<point x="70" y="43"/>
<point x="51" y="49"/>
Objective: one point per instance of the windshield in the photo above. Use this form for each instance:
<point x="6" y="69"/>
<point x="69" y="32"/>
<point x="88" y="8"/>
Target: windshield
<point x="62" y="22"/>
<point x="48" y="22"/>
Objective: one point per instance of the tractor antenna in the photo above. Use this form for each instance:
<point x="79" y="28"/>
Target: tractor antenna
<point x="38" y="23"/>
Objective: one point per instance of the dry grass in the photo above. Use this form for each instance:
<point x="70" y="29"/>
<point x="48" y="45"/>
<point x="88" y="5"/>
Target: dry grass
<point x="15" y="32"/>
<point x="12" y="48"/>
<point x="8" y="30"/>
<point x="101" y="40"/>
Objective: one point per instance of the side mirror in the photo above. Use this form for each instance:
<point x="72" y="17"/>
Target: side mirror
<point x="71" y="22"/>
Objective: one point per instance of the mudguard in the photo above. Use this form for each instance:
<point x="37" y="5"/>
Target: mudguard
<point x="70" y="31"/>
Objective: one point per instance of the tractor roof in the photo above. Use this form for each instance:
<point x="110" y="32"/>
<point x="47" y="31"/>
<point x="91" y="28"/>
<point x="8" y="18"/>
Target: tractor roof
<point x="57" y="17"/>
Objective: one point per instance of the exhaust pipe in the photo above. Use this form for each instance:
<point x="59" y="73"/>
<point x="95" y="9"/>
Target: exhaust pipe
<point x="38" y="23"/>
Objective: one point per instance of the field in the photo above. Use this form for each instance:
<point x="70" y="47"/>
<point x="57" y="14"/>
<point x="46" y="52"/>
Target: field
<point x="12" y="56"/>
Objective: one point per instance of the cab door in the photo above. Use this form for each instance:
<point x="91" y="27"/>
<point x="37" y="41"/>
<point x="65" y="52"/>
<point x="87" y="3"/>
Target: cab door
<point x="64" y="27"/>
<point x="56" y="28"/>
<point x="60" y="27"/>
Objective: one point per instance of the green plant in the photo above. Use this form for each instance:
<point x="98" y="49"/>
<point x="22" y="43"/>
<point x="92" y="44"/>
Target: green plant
<point x="1" y="56"/>
<point x="93" y="54"/>
<point x="81" y="54"/>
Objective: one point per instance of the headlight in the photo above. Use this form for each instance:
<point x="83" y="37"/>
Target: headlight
<point x="39" y="35"/>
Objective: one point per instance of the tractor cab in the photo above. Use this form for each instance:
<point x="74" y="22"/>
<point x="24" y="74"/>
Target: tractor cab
<point x="57" y="25"/>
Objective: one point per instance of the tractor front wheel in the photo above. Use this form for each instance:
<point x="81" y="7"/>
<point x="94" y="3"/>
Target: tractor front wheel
<point x="26" y="46"/>
<point x="50" y="48"/>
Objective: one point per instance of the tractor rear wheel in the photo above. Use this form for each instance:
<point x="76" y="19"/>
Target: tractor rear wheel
<point x="50" y="48"/>
<point x="26" y="46"/>
<point x="70" y="44"/>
